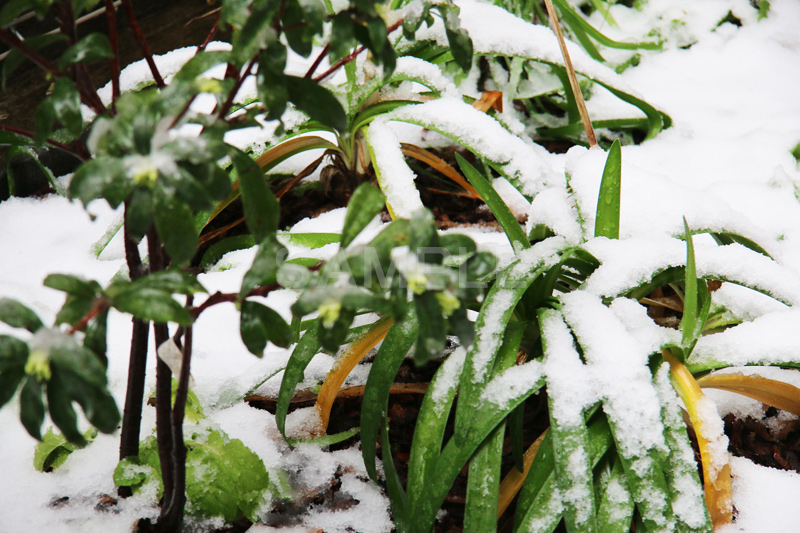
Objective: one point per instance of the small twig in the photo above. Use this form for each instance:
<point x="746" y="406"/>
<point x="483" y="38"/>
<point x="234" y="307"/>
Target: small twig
<point x="573" y="80"/>
<point x="211" y="33"/>
<point x="222" y="297"/>
<point x="111" y="14"/>
<point x="201" y="17"/>
<point x="55" y="144"/>
<point x="238" y="85"/>
<point x="317" y="61"/>
<point x="350" y="57"/>
<point x="38" y="59"/>
<point x="100" y="306"/>
<point x="139" y="35"/>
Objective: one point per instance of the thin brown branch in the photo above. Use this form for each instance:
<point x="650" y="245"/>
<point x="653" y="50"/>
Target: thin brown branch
<point x="350" y="57"/>
<point x="111" y="14"/>
<point x="222" y="297"/>
<point x="55" y="144"/>
<point x="140" y="38"/>
<point x="573" y="80"/>
<point x="211" y="33"/>
<point x="317" y="61"/>
<point x="39" y="60"/>
<point x="238" y="85"/>
<point x="100" y="306"/>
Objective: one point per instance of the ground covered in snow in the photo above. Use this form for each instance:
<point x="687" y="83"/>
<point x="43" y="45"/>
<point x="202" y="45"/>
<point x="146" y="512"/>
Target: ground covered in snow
<point x="732" y="94"/>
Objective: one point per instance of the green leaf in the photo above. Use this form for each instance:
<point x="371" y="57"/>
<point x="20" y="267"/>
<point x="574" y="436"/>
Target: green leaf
<point x="175" y="225"/>
<point x="367" y="201"/>
<point x="55" y="449"/>
<point x="302" y="355"/>
<point x="264" y="270"/>
<point x="512" y="228"/>
<point x="331" y="337"/>
<point x="615" y="510"/>
<point x="13" y="356"/>
<point x="608" y="200"/>
<point x="374" y="405"/>
<point x="153" y="305"/>
<point x="259" y="324"/>
<point x="569" y="434"/>
<point x="301" y="21"/>
<point x="200" y="63"/>
<point x="31" y="407"/>
<point x="64" y="105"/>
<point x="15" y="58"/>
<point x="483" y="483"/>
<point x="256" y="32"/>
<point x="18" y="315"/>
<point x="95" y="339"/>
<point x="101" y="177"/>
<point x="73" y="285"/>
<point x="458" y="38"/>
<point x="316" y="102"/>
<point x="173" y="281"/>
<point x="432" y="328"/>
<point x="140" y="470"/>
<point x="14" y="8"/>
<point x="689" y="319"/>
<point x="393" y="484"/>
<point x="457" y="245"/>
<point x="74" y="309"/>
<point x="261" y="208"/>
<point x="311" y="240"/>
<point x="429" y="431"/>
<point x="93" y="47"/>
<point x="216" y="251"/>
<point x="225" y="478"/>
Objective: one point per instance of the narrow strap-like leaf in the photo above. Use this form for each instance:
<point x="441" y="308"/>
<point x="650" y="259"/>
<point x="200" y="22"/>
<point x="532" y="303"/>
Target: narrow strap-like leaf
<point x="608" y="201"/>
<point x="366" y="202"/>
<point x="511" y="227"/>
<point x="302" y="355"/>
<point x="390" y="356"/>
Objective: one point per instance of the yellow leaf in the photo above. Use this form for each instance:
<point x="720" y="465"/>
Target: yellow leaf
<point x="769" y="391"/>
<point x="354" y="353"/>
<point x="717" y="477"/>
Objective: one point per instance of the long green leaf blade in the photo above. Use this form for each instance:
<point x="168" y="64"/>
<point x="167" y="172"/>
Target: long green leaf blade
<point x="512" y="228"/>
<point x="608" y="201"/>
<point x="393" y="350"/>
<point x="688" y="322"/>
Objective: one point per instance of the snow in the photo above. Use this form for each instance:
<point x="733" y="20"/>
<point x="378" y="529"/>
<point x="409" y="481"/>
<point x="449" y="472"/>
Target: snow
<point x="724" y="164"/>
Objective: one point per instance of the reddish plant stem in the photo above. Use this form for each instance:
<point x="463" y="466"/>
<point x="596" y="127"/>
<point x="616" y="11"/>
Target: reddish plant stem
<point x="222" y="297"/>
<point x="317" y="61"/>
<point x="111" y="15"/>
<point x="238" y="85"/>
<point x="137" y="367"/>
<point x="39" y="60"/>
<point x="210" y="36"/>
<point x="79" y="72"/>
<point x="350" y="57"/>
<point x="55" y="144"/>
<point x="140" y="38"/>
<point x="100" y="306"/>
<point x="50" y="68"/>
<point x="163" y="387"/>
<point x="172" y="514"/>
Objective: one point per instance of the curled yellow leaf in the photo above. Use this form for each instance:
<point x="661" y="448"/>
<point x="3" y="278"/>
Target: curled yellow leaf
<point x="716" y="476"/>
<point x="514" y="480"/>
<point x="769" y="391"/>
<point x="354" y="353"/>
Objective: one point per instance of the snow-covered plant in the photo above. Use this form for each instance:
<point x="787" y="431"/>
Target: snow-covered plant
<point x="151" y="152"/>
<point x="568" y="317"/>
